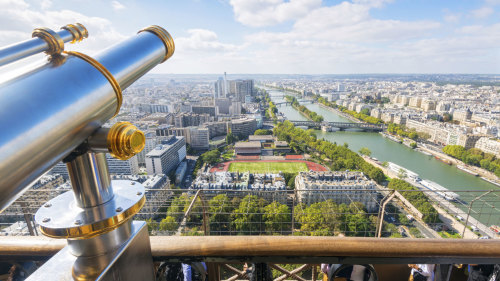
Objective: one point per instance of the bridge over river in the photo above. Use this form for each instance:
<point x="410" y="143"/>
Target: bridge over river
<point x="289" y="103"/>
<point x="341" y="125"/>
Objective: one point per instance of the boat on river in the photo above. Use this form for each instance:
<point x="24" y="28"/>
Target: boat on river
<point x="443" y="160"/>
<point x="463" y="168"/>
<point x="440" y="190"/>
<point x="398" y="169"/>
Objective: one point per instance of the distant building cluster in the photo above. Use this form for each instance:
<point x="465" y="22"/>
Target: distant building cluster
<point x="343" y="187"/>
<point x="451" y="114"/>
<point x="240" y="181"/>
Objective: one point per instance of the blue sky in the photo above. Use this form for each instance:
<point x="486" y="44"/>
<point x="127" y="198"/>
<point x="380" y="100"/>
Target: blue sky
<point x="278" y="36"/>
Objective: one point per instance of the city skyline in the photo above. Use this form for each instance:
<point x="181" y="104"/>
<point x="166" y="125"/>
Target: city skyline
<point x="277" y="36"/>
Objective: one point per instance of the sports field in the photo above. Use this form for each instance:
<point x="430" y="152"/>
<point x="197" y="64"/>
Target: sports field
<point x="268" y="167"/>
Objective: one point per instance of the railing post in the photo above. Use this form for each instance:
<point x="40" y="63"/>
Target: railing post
<point x="380" y="222"/>
<point x="314" y="267"/>
<point x="213" y="270"/>
<point x="206" y="228"/>
<point x="470" y="207"/>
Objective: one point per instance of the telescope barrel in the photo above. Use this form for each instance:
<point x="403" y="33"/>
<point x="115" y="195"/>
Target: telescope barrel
<point x="45" y="40"/>
<point x="48" y="112"/>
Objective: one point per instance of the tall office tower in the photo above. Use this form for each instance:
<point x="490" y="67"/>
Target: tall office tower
<point x="241" y="88"/>
<point x="165" y="157"/>
<point x="219" y="88"/>
<point x="225" y="85"/>
<point x="199" y="138"/>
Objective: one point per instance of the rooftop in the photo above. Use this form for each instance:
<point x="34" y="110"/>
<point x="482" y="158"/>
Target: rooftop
<point x="250" y="144"/>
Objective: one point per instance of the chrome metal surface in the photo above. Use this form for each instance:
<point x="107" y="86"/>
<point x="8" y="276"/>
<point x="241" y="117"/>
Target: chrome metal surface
<point x="67" y="220"/>
<point x="131" y="261"/>
<point x="101" y="244"/>
<point x="132" y="58"/>
<point x="46" y="113"/>
<point x="90" y="179"/>
<point x="28" y="48"/>
<point x="98" y="141"/>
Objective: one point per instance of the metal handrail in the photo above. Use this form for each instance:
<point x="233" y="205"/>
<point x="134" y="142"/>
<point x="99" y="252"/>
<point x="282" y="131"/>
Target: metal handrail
<point x="285" y="249"/>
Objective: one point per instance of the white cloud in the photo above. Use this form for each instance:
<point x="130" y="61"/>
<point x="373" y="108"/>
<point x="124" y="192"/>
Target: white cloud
<point x="18" y="19"/>
<point x="493" y="2"/>
<point x="345" y="38"/>
<point x="45" y="4"/>
<point x="117" y="5"/>
<point x="202" y="40"/>
<point x="482" y="13"/>
<point x="372" y="3"/>
<point x="269" y="12"/>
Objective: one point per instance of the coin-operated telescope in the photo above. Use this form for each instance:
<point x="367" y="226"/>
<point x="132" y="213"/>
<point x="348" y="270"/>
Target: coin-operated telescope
<point x="55" y="112"/>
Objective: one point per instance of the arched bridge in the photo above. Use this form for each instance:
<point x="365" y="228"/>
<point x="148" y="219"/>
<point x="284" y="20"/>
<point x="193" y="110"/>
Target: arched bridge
<point x="289" y="103"/>
<point x="341" y="125"/>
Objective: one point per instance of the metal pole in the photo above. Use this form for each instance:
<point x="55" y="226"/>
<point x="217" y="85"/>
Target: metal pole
<point x="470" y="207"/>
<point x="380" y="223"/>
<point x="90" y="179"/>
<point x="45" y="40"/>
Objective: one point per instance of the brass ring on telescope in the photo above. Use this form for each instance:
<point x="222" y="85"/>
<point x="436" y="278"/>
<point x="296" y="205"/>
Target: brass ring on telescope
<point x="164" y="36"/>
<point x="106" y="73"/>
<point x="124" y="140"/>
<point x="55" y="42"/>
<point x="78" y="31"/>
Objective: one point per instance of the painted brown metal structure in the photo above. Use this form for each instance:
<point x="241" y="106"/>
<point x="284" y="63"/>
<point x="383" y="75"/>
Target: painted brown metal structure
<point x="285" y="249"/>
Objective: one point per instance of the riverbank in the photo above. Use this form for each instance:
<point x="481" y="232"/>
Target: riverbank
<point x="445" y="217"/>
<point x="423" y="148"/>
<point x="482" y="172"/>
<point x="336" y="111"/>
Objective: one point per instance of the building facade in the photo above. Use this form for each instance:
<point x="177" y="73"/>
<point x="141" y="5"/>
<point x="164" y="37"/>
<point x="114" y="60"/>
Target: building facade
<point x="165" y="157"/>
<point x="342" y="187"/>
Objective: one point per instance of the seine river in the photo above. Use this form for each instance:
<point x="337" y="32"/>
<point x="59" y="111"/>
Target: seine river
<point x="386" y="150"/>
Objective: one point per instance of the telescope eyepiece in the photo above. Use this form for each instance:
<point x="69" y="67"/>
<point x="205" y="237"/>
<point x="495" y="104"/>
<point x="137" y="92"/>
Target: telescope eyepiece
<point x="164" y="36"/>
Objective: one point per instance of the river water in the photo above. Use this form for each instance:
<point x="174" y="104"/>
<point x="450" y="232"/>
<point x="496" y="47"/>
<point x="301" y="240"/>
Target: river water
<point x="386" y="150"/>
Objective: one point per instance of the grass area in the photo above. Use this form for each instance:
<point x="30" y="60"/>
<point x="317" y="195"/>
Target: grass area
<point x="268" y="167"/>
<point x="446" y="234"/>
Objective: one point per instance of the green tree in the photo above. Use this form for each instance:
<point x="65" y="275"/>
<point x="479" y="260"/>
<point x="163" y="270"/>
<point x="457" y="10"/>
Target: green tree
<point x="247" y="218"/>
<point x="176" y="209"/>
<point x="168" y="224"/>
<point x="220" y="208"/>
<point x="211" y="157"/>
<point x="152" y="225"/>
<point x="260" y="132"/>
<point x="277" y="218"/>
<point x="402" y="173"/>
<point x="365" y="151"/>
<point x="413" y="135"/>
<point x="413" y="145"/>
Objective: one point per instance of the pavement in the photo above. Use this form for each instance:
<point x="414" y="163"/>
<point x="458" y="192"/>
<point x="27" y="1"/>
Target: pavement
<point x="444" y="209"/>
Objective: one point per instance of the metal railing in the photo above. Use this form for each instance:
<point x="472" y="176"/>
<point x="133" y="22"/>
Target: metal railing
<point x="324" y="212"/>
<point x="187" y="225"/>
